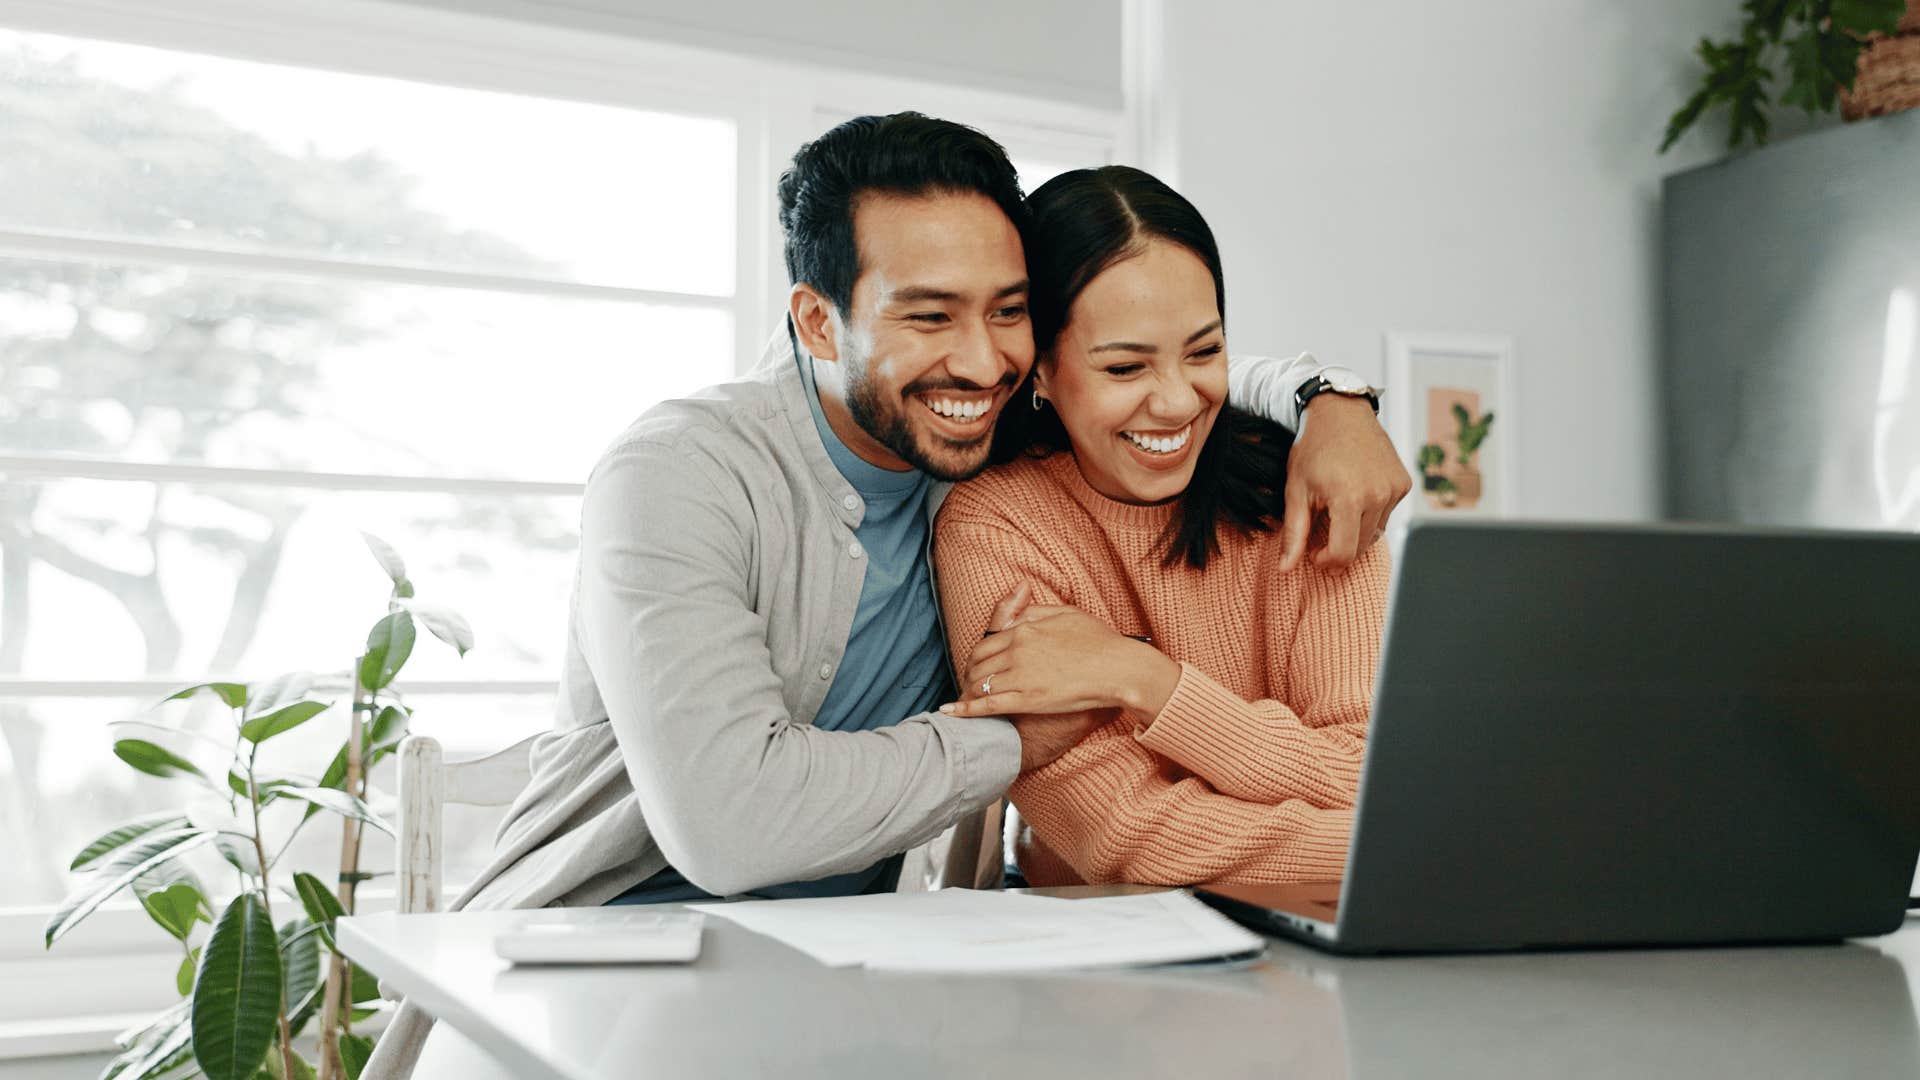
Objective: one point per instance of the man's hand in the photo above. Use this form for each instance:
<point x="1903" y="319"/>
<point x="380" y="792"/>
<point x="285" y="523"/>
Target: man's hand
<point x="1344" y="463"/>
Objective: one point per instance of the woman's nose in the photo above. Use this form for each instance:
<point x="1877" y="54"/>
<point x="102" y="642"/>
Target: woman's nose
<point x="1174" y="400"/>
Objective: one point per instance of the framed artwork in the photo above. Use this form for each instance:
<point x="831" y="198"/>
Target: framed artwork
<point x="1450" y="410"/>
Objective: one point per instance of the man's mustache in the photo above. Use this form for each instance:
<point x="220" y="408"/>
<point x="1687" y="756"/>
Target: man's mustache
<point x="926" y="386"/>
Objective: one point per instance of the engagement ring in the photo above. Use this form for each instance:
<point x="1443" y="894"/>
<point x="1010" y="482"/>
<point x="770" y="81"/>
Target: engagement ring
<point x="986" y="685"/>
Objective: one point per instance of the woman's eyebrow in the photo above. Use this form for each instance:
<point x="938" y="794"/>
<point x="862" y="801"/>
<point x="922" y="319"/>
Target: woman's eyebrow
<point x="1202" y="332"/>
<point x="1137" y="347"/>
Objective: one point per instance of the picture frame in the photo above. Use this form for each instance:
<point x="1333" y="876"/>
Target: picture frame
<point x="1432" y="380"/>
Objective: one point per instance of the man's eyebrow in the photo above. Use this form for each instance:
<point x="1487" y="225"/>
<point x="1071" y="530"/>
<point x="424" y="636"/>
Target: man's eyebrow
<point x="920" y="294"/>
<point x="1149" y="350"/>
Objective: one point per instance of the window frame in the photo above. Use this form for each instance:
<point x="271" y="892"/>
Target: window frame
<point x="773" y="105"/>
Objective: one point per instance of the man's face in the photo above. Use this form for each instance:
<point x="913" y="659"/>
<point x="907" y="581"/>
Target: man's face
<point x="938" y="337"/>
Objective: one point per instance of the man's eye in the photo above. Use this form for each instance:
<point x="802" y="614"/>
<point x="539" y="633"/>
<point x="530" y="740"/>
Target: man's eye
<point x="929" y="317"/>
<point x="1012" y="311"/>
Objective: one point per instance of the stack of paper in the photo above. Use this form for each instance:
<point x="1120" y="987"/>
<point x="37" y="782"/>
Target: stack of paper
<point x="974" y="930"/>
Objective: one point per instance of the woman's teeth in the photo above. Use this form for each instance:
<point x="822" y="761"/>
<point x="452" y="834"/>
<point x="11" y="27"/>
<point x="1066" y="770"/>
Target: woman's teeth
<point x="959" y="410"/>
<point x="1159" y="444"/>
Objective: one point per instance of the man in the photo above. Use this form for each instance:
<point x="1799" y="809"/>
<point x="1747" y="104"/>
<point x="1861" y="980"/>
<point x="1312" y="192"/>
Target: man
<point x="754" y="648"/>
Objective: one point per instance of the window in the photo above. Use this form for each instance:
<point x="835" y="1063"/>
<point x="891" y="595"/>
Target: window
<point x="262" y="287"/>
<point x="247" y="309"/>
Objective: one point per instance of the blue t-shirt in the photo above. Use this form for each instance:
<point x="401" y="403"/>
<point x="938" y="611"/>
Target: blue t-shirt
<point x="895" y="664"/>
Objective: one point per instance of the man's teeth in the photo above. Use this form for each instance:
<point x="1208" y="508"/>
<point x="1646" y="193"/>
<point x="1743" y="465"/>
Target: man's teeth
<point x="1159" y="444"/>
<point x="959" y="410"/>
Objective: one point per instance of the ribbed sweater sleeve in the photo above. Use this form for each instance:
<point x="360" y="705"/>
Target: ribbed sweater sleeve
<point x="1309" y="747"/>
<point x="1112" y="813"/>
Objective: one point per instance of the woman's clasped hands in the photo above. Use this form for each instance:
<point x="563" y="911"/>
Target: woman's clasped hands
<point x="1060" y="673"/>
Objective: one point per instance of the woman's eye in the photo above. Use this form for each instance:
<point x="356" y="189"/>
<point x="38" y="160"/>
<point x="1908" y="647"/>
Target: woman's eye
<point x="1123" y="370"/>
<point x="1209" y="352"/>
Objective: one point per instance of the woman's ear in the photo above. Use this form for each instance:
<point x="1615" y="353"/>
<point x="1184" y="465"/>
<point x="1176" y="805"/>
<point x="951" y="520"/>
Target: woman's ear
<point x="814" y="323"/>
<point x="1042" y="369"/>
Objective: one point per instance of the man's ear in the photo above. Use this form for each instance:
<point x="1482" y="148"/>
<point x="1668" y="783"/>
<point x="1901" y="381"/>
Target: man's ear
<point x="813" y="322"/>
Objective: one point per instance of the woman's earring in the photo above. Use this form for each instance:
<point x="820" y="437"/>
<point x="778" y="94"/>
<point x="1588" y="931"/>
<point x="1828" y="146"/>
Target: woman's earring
<point x="1037" y="399"/>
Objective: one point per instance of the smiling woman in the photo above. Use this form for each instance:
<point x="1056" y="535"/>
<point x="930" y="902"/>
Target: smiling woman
<point x="1187" y="711"/>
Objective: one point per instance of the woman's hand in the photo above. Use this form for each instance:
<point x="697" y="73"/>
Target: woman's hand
<point x="1053" y="659"/>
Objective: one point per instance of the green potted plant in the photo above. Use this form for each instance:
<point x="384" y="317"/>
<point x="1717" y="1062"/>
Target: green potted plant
<point x="252" y="983"/>
<point x="1823" y="47"/>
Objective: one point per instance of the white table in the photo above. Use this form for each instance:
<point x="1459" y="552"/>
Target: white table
<point x="753" y="1007"/>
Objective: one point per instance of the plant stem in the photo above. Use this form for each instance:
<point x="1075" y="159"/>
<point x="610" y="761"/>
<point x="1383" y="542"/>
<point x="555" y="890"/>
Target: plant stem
<point x="266" y="899"/>
<point x="339" y="973"/>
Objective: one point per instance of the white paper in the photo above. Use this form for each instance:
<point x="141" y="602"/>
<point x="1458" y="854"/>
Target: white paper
<point x="977" y="930"/>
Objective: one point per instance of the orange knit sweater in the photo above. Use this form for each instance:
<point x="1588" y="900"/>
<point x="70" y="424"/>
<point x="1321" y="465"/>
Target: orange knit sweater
<point x="1249" y="773"/>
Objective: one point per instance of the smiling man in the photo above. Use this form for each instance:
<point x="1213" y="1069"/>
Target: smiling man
<point x="755" y="654"/>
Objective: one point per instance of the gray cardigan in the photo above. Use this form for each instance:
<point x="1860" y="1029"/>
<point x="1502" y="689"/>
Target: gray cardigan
<point x="716" y="589"/>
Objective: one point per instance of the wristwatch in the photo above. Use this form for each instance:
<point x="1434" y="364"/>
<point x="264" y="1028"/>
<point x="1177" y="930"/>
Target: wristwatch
<point x="1337" y="381"/>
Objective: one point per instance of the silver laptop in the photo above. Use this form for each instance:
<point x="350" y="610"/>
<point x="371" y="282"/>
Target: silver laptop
<point x="1647" y="735"/>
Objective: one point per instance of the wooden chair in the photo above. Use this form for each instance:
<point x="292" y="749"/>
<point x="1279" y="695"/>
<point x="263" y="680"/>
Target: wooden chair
<point x="427" y="783"/>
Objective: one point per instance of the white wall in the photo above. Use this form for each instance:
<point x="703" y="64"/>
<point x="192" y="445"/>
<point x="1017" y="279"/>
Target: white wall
<point x="1066" y="50"/>
<point x="1484" y="167"/>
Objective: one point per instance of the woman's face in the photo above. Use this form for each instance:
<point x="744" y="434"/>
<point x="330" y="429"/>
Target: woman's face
<point x="1139" y="373"/>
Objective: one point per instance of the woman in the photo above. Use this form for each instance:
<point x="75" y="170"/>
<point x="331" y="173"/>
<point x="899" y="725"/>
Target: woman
<point x="1187" y="713"/>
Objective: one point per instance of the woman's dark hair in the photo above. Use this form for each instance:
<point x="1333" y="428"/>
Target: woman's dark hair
<point x="902" y="154"/>
<point x="1083" y="222"/>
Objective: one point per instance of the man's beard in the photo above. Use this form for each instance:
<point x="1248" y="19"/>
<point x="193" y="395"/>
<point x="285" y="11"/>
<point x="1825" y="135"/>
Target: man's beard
<point x="890" y="427"/>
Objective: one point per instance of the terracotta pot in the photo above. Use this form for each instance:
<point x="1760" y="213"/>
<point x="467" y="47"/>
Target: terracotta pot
<point x="1468" y="481"/>
<point x="1888" y="75"/>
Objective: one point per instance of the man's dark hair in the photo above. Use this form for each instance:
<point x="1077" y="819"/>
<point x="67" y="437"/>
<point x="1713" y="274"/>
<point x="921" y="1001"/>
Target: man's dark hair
<point x="902" y="154"/>
<point x="1083" y="222"/>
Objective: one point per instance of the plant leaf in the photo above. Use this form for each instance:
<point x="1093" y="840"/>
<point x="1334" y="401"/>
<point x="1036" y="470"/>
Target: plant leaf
<point x="389" y="644"/>
<point x="262" y="728"/>
<point x="183" y="978"/>
<point x="139" y="857"/>
<point x="176" y="908"/>
<point x="239" y="852"/>
<point x="125" y="834"/>
<point x="1865" y="16"/>
<point x="236" y="998"/>
<point x="387" y="729"/>
<point x="444" y="623"/>
<point x="160" y="1048"/>
<point x="354" y="1052"/>
<point x="389" y="559"/>
<point x="154" y="759"/>
<point x="322" y="906"/>
<point x="234" y="694"/>
<point x="274" y="1069"/>
<point x="364" y="986"/>
<point x="300" y="971"/>
<point x="339" y="802"/>
<point x="263" y="698"/>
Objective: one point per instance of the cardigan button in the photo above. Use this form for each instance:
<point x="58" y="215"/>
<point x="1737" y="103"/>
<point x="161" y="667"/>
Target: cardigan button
<point x="826" y="671"/>
<point x="854" y="550"/>
<point x="851" y="502"/>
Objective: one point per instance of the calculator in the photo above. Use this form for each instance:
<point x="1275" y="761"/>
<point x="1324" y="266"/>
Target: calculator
<point x="667" y="937"/>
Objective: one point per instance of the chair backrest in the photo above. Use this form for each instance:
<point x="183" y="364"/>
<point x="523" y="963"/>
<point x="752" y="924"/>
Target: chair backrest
<point x="427" y="783"/>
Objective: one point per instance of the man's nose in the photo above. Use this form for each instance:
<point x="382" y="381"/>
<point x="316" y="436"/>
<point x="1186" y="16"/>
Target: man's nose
<point x="976" y="356"/>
